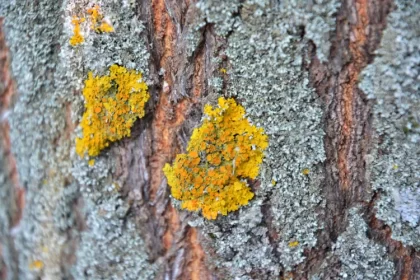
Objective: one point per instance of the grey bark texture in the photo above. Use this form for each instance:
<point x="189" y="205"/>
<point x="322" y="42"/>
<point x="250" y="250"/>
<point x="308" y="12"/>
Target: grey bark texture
<point x="334" y="84"/>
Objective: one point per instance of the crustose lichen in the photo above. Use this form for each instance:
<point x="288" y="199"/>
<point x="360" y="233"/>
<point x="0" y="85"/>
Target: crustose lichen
<point x="112" y="105"/>
<point x="221" y="155"/>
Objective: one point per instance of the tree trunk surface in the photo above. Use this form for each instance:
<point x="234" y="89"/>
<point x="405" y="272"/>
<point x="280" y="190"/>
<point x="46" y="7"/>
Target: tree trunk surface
<point x="334" y="84"/>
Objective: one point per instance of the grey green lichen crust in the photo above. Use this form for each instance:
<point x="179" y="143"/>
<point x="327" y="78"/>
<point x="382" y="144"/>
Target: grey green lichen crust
<point x="393" y="81"/>
<point x="6" y="208"/>
<point x="119" y="251"/>
<point x="70" y="206"/>
<point x="359" y="257"/>
<point x="265" y="74"/>
<point x="36" y="122"/>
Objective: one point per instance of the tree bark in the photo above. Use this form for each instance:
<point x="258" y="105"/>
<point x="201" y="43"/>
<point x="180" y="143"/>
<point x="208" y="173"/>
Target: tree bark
<point x="334" y="85"/>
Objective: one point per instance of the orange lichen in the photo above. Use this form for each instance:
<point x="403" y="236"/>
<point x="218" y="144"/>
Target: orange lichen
<point x="222" y="153"/>
<point x="98" y="23"/>
<point x="36" y="265"/>
<point x="77" y="37"/>
<point x="112" y="104"/>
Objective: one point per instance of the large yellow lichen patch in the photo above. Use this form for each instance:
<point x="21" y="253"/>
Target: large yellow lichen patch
<point x="222" y="153"/>
<point x="112" y="103"/>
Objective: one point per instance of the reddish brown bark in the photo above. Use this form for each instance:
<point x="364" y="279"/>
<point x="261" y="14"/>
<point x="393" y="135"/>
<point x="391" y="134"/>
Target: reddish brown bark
<point x="348" y="127"/>
<point x="16" y="202"/>
<point x="181" y="86"/>
<point x="175" y="106"/>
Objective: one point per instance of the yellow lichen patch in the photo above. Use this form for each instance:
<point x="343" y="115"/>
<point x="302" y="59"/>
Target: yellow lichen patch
<point x="91" y="162"/>
<point x="112" y="105"/>
<point x="36" y="265"/>
<point x="77" y="37"/>
<point x="306" y="171"/>
<point x="105" y="27"/>
<point x="222" y="153"/>
<point x="98" y="23"/>
<point x="117" y="186"/>
<point x="293" y="244"/>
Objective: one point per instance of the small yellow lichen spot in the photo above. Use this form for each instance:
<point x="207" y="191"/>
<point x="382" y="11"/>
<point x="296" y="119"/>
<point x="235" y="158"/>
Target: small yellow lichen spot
<point x="223" y="70"/>
<point x="91" y="162"/>
<point x="106" y="27"/>
<point x="95" y="15"/>
<point x="36" y="265"/>
<point x="112" y="103"/>
<point x="395" y="167"/>
<point x="273" y="182"/>
<point x="306" y="171"/>
<point x="117" y="186"/>
<point x="222" y="154"/>
<point x="77" y="37"/>
<point x="293" y="244"/>
<point x="98" y="23"/>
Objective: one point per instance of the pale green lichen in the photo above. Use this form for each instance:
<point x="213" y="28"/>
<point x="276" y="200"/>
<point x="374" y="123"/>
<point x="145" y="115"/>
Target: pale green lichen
<point x="37" y="123"/>
<point x="359" y="257"/>
<point x="120" y="252"/>
<point x="49" y="74"/>
<point x="392" y="81"/>
<point x="264" y="56"/>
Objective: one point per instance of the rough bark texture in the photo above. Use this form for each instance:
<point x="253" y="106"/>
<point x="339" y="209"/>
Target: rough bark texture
<point x="316" y="75"/>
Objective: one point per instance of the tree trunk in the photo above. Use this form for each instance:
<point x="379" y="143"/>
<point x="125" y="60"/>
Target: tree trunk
<point x="335" y="85"/>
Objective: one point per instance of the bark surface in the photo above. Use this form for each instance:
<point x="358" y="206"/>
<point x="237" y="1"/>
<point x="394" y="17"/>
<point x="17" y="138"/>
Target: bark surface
<point x="62" y="219"/>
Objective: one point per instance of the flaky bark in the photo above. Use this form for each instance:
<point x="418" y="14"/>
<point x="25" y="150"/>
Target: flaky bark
<point x="188" y="48"/>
